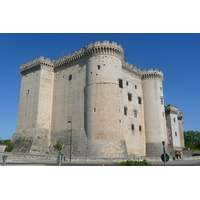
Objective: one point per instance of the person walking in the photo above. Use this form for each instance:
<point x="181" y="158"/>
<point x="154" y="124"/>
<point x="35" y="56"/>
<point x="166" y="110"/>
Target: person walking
<point x="180" y="155"/>
<point x="177" y="154"/>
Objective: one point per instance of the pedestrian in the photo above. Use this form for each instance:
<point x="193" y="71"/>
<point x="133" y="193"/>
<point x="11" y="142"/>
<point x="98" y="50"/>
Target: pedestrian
<point x="180" y="154"/>
<point x="176" y="155"/>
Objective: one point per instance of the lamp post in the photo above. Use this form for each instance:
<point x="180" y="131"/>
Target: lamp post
<point x="163" y="143"/>
<point x="70" y="146"/>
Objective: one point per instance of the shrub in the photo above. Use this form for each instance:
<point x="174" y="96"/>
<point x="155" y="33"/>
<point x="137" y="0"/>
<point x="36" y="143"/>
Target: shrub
<point x="133" y="163"/>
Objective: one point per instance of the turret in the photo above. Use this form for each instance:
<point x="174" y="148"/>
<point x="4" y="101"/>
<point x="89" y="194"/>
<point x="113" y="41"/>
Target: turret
<point x="174" y="121"/>
<point x="103" y="100"/>
<point x="153" y="101"/>
<point x="34" y="116"/>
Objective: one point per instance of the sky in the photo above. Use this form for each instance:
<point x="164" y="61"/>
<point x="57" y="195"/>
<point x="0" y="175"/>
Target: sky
<point x="176" y="54"/>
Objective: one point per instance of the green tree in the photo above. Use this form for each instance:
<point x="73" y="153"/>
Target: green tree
<point x="192" y="139"/>
<point x="9" y="144"/>
<point x="58" y="146"/>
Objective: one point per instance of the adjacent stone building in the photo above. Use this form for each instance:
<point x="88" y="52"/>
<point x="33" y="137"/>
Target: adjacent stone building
<point x="109" y="107"/>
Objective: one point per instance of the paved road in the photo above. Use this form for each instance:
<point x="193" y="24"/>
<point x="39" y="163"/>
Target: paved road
<point x="65" y="163"/>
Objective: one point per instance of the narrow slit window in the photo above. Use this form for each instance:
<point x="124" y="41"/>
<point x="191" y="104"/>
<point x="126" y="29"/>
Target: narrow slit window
<point x="120" y="83"/>
<point x="94" y="109"/>
<point x="139" y="100"/>
<point x="125" y="110"/>
<point x="140" y="128"/>
<point x="70" y="77"/>
<point x="161" y="99"/>
<point x="132" y="127"/>
<point x="129" y="96"/>
<point x="98" y="67"/>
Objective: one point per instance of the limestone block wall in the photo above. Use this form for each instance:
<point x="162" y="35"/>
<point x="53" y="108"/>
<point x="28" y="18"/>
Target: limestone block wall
<point x="102" y="107"/>
<point x="68" y="102"/>
<point x="133" y="119"/>
<point x="34" y="116"/>
<point x="114" y="108"/>
<point x="154" y="111"/>
<point x="172" y="124"/>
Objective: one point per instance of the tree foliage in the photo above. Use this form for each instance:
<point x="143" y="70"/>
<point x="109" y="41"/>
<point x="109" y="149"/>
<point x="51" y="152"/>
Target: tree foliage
<point x="9" y="144"/>
<point x="58" y="146"/>
<point x="192" y="139"/>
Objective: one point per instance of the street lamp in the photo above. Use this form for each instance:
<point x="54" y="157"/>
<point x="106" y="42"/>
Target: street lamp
<point x="70" y="154"/>
<point x="163" y="143"/>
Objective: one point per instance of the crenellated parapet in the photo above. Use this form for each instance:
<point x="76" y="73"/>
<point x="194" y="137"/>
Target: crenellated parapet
<point x="171" y="109"/>
<point x="36" y="64"/>
<point x="132" y="69"/>
<point x="152" y="74"/>
<point x="92" y="49"/>
<point x="180" y="116"/>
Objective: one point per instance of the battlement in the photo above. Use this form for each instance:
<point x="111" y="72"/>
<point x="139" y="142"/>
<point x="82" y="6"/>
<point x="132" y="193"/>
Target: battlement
<point x="35" y="63"/>
<point x="152" y="74"/>
<point x="131" y="68"/>
<point x="91" y="49"/>
<point x="105" y="43"/>
<point x="172" y="109"/>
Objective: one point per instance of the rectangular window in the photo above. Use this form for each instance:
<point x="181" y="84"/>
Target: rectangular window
<point x="175" y="133"/>
<point x="161" y="99"/>
<point x="140" y="128"/>
<point x="125" y="110"/>
<point x="174" y="120"/>
<point x="139" y="100"/>
<point x="129" y="96"/>
<point x="120" y="83"/>
<point x="127" y="83"/>
<point x="135" y="113"/>
<point x="132" y="127"/>
<point x="135" y="86"/>
<point x="98" y="66"/>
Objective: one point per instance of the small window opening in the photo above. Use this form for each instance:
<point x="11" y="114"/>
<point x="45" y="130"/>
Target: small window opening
<point x="125" y="110"/>
<point x="120" y="121"/>
<point x="129" y="96"/>
<point x="98" y="66"/>
<point x="135" y="113"/>
<point x="94" y="109"/>
<point x="70" y="77"/>
<point x="140" y="128"/>
<point x="127" y="83"/>
<point x="175" y="133"/>
<point x="174" y="120"/>
<point x="27" y="92"/>
<point x="135" y="86"/>
<point x="161" y="99"/>
<point x="120" y="83"/>
<point x="132" y="127"/>
<point x="139" y="100"/>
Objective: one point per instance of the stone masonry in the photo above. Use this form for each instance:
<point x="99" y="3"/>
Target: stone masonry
<point x="114" y="108"/>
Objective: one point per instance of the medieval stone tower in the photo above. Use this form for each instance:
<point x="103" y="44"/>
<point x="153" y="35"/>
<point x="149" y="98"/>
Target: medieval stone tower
<point x="109" y="107"/>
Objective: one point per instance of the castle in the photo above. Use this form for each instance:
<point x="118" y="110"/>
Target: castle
<point x="96" y="104"/>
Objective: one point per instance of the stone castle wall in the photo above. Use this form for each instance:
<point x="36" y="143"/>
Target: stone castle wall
<point x="114" y="108"/>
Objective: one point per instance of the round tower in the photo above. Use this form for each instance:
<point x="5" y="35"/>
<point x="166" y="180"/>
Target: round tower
<point x="154" y="112"/>
<point x="102" y="100"/>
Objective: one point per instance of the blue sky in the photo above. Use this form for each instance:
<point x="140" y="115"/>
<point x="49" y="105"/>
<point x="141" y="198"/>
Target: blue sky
<point x="176" y="54"/>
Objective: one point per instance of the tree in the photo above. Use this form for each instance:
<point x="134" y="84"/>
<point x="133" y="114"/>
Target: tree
<point x="8" y="143"/>
<point x="192" y="139"/>
<point x="58" y="146"/>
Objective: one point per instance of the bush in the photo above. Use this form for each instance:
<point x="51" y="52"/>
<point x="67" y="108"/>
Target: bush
<point x="133" y="163"/>
<point x="9" y="146"/>
<point x="58" y="146"/>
